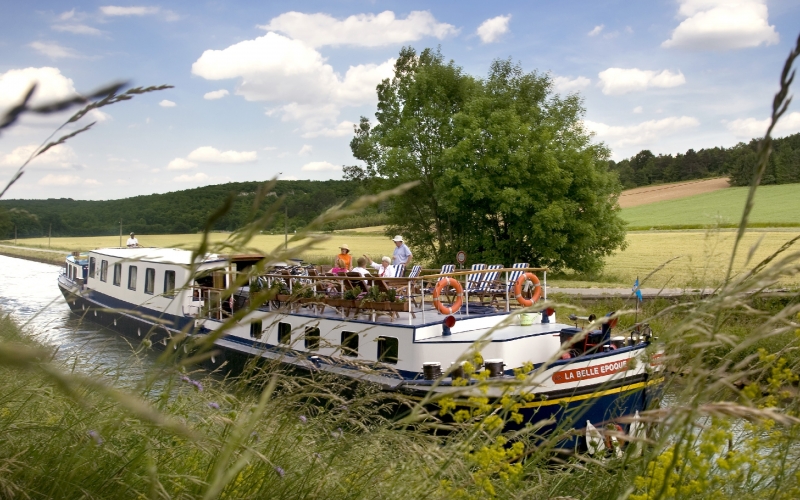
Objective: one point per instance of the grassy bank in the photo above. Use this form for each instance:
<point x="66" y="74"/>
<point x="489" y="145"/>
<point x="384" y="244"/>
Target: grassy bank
<point x="35" y="255"/>
<point x="774" y="205"/>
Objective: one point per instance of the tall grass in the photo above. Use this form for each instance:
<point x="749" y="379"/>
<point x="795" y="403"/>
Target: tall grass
<point x="730" y="428"/>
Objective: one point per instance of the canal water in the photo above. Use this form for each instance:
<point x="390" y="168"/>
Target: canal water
<point x="29" y="293"/>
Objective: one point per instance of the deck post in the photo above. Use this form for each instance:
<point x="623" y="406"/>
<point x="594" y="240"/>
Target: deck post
<point x="508" y="285"/>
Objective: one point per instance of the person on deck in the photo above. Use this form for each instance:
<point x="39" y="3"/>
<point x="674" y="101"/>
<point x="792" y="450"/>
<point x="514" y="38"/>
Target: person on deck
<point x="345" y="256"/>
<point x="402" y="254"/>
<point x="384" y="269"/>
<point x="132" y="241"/>
<point x="360" y="269"/>
<point x="340" y="267"/>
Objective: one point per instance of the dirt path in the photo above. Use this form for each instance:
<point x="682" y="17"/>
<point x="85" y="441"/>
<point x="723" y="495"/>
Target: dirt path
<point x="651" y="194"/>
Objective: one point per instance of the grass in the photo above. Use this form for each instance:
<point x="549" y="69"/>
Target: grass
<point x="774" y="205"/>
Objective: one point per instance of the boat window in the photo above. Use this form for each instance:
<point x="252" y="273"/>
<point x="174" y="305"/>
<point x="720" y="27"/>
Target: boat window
<point x="256" y="327"/>
<point x="312" y="338"/>
<point x="388" y="350"/>
<point x="169" y="283"/>
<point x="117" y="274"/>
<point x="103" y="270"/>
<point x="284" y="333"/>
<point x="350" y="343"/>
<point x="149" y="280"/>
<point x="92" y="264"/>
<point x="132" y="271"/>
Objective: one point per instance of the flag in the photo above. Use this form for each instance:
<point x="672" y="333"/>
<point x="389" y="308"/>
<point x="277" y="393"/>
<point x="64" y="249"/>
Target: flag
<point x="636" y="289"/>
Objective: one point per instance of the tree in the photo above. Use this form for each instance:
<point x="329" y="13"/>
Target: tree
<point x="506" y="170"/>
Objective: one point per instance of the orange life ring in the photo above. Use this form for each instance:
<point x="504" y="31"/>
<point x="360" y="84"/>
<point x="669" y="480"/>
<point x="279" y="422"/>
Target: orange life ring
<point x="518" y="289"/>
<point x="438" y="291"/>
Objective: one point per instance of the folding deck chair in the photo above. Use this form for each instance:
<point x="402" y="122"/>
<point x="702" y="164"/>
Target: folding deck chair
<point x="489" y="281"/>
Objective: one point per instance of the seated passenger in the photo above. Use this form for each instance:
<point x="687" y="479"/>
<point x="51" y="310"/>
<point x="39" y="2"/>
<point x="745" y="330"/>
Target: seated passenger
<point x="360" y="269"/>
<point x="345" y="256"/>
<point x="384" y="269"/>
<point x="340" y="267"/>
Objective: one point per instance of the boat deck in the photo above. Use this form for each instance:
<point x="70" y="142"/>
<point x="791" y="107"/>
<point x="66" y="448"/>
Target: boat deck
<point x="422" y="316"/>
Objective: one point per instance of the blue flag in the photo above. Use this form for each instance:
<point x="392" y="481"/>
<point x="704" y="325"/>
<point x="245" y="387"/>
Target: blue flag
<point x="636" y="289"/>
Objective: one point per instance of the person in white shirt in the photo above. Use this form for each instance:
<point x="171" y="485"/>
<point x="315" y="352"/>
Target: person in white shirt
<point x="402" y="254"/>
<point x="360" y="269"/>
<point x="132" y="241"/>
<point x="384" y="269"/>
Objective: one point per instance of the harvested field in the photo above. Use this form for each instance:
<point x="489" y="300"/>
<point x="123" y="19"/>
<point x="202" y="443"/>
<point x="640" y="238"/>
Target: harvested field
<point x="651" y="194"/>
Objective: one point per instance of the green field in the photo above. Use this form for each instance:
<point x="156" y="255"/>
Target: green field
<point x="774" y="206"/>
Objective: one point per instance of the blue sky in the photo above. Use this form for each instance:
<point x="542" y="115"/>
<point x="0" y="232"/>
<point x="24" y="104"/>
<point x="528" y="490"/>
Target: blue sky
<point x="265" y="89"/>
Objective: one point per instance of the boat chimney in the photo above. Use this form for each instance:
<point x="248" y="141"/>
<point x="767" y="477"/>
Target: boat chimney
<point x="431" y="371"/>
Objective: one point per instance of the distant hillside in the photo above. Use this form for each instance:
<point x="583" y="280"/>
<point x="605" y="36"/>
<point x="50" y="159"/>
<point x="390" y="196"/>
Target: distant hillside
<point x="775" y="206"/>
<point x="179" y="211"/>
<point x="736" y="162"/>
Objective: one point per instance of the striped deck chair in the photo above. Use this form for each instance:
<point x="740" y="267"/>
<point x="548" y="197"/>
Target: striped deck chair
<point x="402" y="291"/>
<point x="399" y="270"/>
<point x="473" y="280"/>
<point x="489" y="282"/>
<point x="446" y="269"/>
<point x="500" y="289"/>
<point x="514" y="276"/>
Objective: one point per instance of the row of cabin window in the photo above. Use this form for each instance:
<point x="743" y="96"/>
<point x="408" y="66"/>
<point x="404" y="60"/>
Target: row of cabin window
<point x="133" y="271"/>
<point x="388" y="347"/>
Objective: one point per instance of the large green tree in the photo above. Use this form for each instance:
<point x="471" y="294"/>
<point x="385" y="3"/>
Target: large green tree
<point x="506" y="170"/>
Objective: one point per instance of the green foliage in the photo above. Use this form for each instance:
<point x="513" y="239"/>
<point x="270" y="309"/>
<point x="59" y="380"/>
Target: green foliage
<point x="738" y="162"/>
<point x="505" y="170"/>
<point x="186" y="211"/>
<point x="352" y="294"/>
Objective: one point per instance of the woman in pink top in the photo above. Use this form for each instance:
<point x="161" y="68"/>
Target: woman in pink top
<point x="339" y="267"/>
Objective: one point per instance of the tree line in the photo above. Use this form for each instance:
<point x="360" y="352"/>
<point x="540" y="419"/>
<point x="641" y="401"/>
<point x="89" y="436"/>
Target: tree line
<point x="183" y="211"/>
<point x="737" y="162"/>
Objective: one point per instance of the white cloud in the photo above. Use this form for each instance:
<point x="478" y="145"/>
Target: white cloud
<point x="167" y="104"/>
<point x="66" y="15"/>
<point x="180" y="164"/>
<point x="198" y="177"/>
<point x="366" y="30"/>
<point x="92" y="182"/>
<point x="289" y="178"/>
<point x="621" y="136"/>
<point x="596" y="30"/>
<point x="77" y="29"/>
<point x="637" y="109"/>
<point x="207" y="154"/>
<point x="59" y="180"/>
<point x="750" y="128"/>
<point x="491" y="29"/>
<point x="567" y="84"/>
<point x="622" y="80"/>
<point x="722" y="25"/>
<point x="293" y="75"/>
<point x="270" y="148"/>
<point x="305" y="150"/>
<point x="215" y="94"/>
<point x="51" y="86"/>
<point x="61" y="156"/>
<point x="317" y="166"/>
<point x="113" y="10"/>
<point x="342" y="129"/>
<point x="53" y="50"/>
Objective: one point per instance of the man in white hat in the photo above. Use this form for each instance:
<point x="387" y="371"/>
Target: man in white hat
<point x="402" y="254"/>
<point x="132" y="241"/>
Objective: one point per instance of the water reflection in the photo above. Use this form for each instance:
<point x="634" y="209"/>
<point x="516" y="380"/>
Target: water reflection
<point x="28" y="292"/>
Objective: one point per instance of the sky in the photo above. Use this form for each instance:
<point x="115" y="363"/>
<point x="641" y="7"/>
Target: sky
<point x="272" y="89"/>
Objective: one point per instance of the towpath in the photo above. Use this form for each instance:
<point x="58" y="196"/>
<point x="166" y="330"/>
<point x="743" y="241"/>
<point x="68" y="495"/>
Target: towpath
<point x="35" y="249"/>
